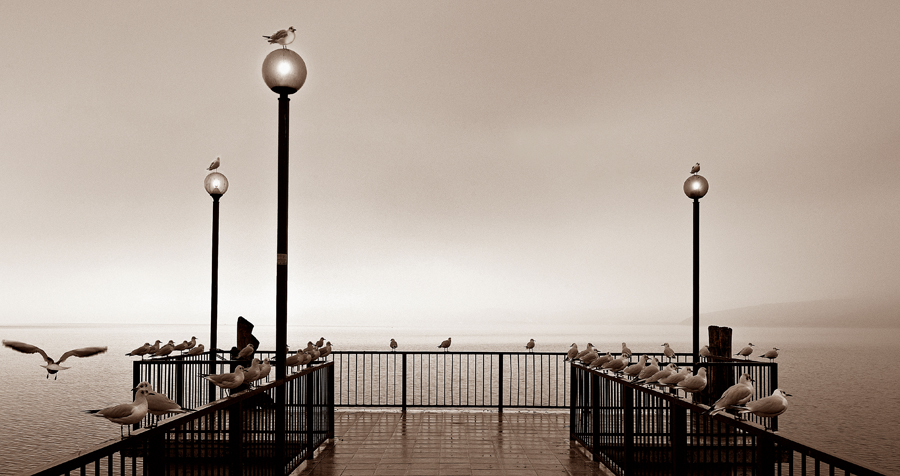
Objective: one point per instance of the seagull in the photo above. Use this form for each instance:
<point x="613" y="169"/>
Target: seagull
<point x="282" y="37"/>
<point x="165" y="350"/>
<point x="573" y="351"/>
<point x="252" y="372"/>
<point x="634" y="369"/>
<point x="245" y="353"/>
<point x="142" y="350"/>
<point x="192" y="343"/>
<point x="616" y="365"/>
<point x="704" y="352"/>
<point x="196" y="350"/>
<point x="53" y="366"/>
<point x="767" y="407"/>
<point x="746" y="351"/>
<point x="215" y="164"/>
<point x="126" y="413"/>
<point x="320" y="342"/>
<point x="325" y="350"/>
<point x="530" y="345"/>
<point x="296" y="359"/>
<point x="665" y="372"/>
<point x="771" y="354"/>
<point x="737" y="394"/>
<point x="693" y="383"/>
<point x="591" y="357"/>
<point x="649" y="370"/>
<point x="264" y="370"/>
<point x="600" y="360"/>
<point x="182" y="346"/>
<point x="393" y="345"/>
<point x="674" y="379"/>
<point x="695" y="168"/>
<point x="229" y="381"/>
<point x="153" y="348"/>
<point x="586" y="351"/>
<point x="668" y="352"/>
<point x="626" y="351"/>
<point x="159" y="404"/>
<point x="444" y="345"/>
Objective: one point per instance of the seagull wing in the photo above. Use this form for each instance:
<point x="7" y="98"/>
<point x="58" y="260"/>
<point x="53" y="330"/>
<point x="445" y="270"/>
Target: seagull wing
<point x="27" y="349"/>
<point x="82" y="352"/>
<point x="278" y="35"/>
<point x="118" y="411"/>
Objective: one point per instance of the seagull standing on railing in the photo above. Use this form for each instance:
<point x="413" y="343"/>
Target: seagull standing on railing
<point x="445" y="345"/>
<point x="590" y="357"/>
<point x="196" y="350"/>
<point x="584" y="352"/>
<point x="245" y="353"/>
<point x="668" y="352"/>
<point x="142" y="350"/>
<point x="649" y="370"/>
<point x="228" y="381"/>
<point x="159" y="404"/>
<point x="767" y="407"/>
<point x="530" y="345"/>
<point x="616" y="365"/>
<point x="626" y="351"/>
<point x="325" y="351"/>
<point x="215" y="164"/>
<point x="393" y="345"/>
<point x="153" y="348"/>
<point x="676" y="378"/>
<point x="600" y="360"/>
<point x="572" y="353"/>
<point x="182" y="346"/>
<point x="165" y="350"/>
<point x="704" y="352"/>
<point x="665" y="372"/>
<point x="771" y="355"/>
<point x="320" y="342"/>
<point x="250" y="373"/>
<point x="693" y="383"/>
<point x="53" y="366"/>
<point x="126" y="413"/>
<point x="746" y="351"/>
<point x="737" y="394"/>
<point x="634" y="369"/>
<point x="282" y="37"/>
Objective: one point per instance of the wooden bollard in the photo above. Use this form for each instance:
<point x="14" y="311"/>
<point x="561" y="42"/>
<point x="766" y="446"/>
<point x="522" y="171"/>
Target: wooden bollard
<point x="718" y="379"/>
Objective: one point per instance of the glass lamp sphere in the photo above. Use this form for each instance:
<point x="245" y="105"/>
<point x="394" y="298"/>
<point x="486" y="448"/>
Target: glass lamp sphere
<point x="284" y="71"/>
<point x="696" y="186"/>
<point x="216" y="184"/>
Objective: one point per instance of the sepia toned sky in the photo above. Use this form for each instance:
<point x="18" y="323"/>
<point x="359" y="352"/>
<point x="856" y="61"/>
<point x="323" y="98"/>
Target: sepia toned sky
<point x="455" y="160"/>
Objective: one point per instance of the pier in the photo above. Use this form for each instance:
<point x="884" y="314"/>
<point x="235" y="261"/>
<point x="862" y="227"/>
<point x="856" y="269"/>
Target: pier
<point x="365" y="412"/>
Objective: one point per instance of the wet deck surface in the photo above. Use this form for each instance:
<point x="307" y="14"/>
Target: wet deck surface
<point x="451" y="443"/>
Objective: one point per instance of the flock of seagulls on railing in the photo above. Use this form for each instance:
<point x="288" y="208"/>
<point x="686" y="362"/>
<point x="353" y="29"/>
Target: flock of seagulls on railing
<point x="646" y="371"/>
<point x="156" y="350"/>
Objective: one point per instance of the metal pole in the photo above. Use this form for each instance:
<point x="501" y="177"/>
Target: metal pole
<point x="281" y="278"/>
<point x="696" y="280"/>
<point x="214" y="298"/>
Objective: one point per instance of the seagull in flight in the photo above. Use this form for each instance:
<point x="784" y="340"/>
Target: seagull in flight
<point x="282" y="37"/>
<point x="695" y="168"/>
<point x="215" y="164"/>
<point x="53" y="366"/>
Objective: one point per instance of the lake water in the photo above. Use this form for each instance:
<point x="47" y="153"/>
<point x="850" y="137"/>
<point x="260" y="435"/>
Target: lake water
<point x="842" y="402"/>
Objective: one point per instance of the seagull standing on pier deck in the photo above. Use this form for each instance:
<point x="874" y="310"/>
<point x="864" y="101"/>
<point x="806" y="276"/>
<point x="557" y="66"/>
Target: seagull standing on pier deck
<point x="53" y="366"/>
<point x="445" y="345"/>
<point x="282" y="37"/>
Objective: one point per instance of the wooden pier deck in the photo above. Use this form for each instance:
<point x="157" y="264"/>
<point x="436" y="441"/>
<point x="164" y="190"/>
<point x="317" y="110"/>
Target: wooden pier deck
<point x="451" y="443"/>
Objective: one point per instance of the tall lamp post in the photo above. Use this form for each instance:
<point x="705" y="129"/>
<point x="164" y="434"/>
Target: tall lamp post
<point x="216" y="185"/>
<point x="284" y="72"/>
<point x="695" y="187"/>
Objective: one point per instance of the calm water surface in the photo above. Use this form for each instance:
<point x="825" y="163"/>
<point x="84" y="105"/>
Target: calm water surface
<point x="843" y="403"/>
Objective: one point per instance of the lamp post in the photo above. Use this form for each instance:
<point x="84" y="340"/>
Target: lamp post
<point x="284" y="72"/>
<point x="695" y="187"/>
<point x="216" y="185"/>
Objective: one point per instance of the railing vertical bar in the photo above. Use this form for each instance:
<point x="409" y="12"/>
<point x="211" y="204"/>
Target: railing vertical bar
<point x="500" y="384"/>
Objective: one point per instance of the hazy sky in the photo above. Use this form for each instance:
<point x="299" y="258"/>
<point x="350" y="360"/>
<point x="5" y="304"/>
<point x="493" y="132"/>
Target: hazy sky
<point x="448" y="158"/>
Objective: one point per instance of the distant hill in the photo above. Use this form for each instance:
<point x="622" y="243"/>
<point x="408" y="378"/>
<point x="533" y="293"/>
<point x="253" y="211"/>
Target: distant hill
<point x="825" y="313"/>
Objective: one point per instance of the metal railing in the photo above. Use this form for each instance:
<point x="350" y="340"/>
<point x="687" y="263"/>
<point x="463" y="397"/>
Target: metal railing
<point x="450" y="379"/>
<point x="636" y="430"/>
<point x="231" y="436"/>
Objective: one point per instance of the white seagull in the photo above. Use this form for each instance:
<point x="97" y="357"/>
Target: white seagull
<point x="746" y="351"/>
<point x="264" y="370"/>
<point x="737" y="394"/>
<point x="196" y="350"/>
<point x="767" y="407"/>
<point x="445" y="345"/>
<point x="668" y="352"/>
<point x="215" y="164"/>
<point x="695" y="168"/>
<point x="665" y="372"/>
<point x="53" y="366"/>
<point x="245" y="353"/>
<point x="229" y="380"/>
<point x="573" y="351"/>
<point x="649" y="370"/>
<point x="675" y="378"/>
<point x="126" y="413"/>
<point x="159" y="404"/>
<point x="282" y="37"/>
<point x="693" y="383"/>
<point x="634" y="369"/>
<point x="616" y="365"/>
<point x="771" y="354"/>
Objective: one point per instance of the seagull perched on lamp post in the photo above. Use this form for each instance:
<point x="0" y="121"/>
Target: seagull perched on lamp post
<point x="695" y="168"/>
<point x="282" y="37"/>
<point x="215" y="164"/>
